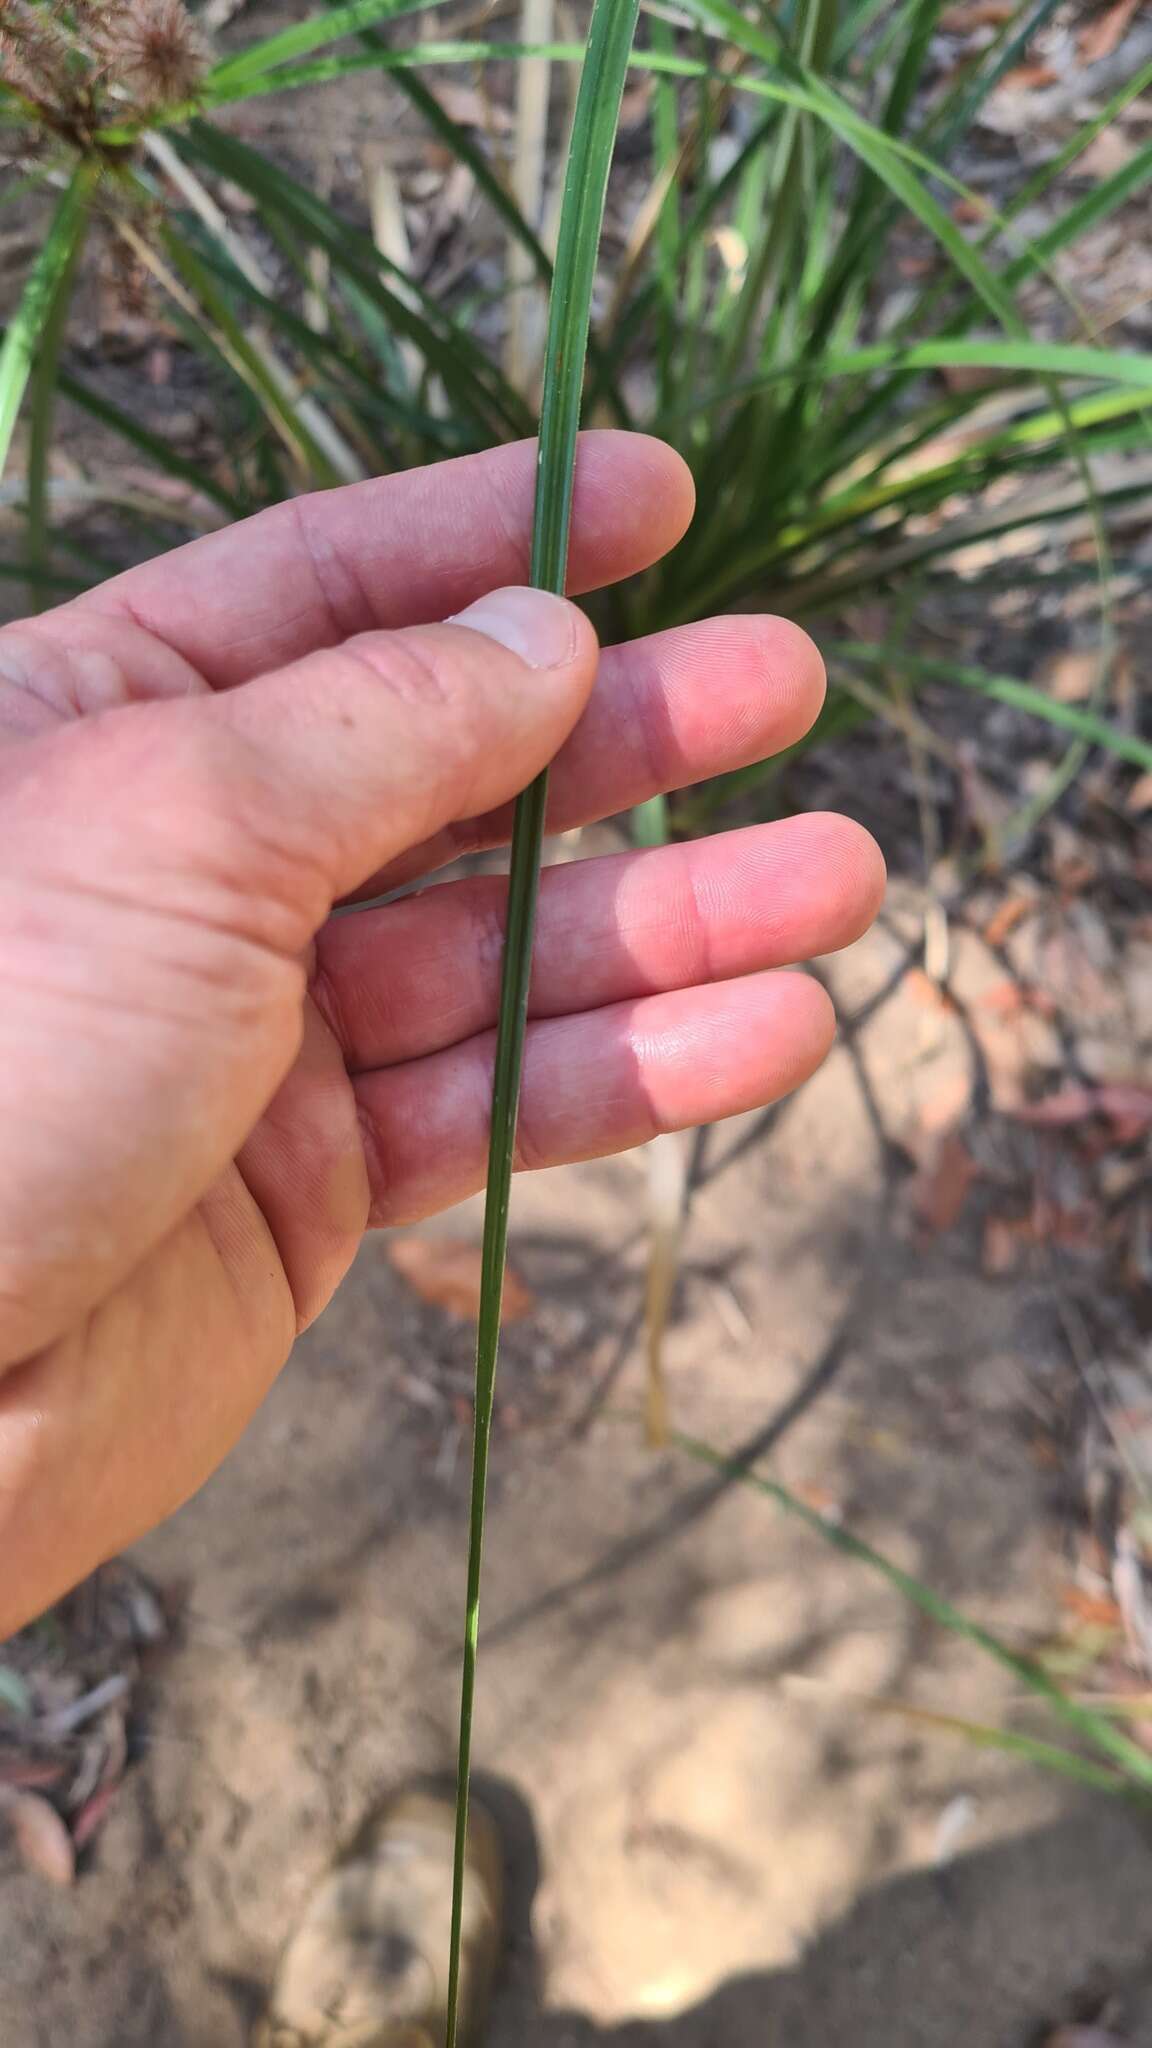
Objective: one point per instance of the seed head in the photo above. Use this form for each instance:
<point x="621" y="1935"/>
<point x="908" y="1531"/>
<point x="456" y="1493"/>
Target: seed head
<point x="152" y="48"/>
<point x="36" y="55"/>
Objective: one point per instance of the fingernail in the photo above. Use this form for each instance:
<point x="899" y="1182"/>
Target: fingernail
<point x="539" y="628"/>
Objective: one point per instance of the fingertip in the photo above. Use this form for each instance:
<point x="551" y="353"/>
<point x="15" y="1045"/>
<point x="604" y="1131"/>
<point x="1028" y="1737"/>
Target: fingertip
<point x="793" y="675"/>
<point x="634" y="499"/>
<point x="852" y="868"/>
<point x="800" y="1029"/>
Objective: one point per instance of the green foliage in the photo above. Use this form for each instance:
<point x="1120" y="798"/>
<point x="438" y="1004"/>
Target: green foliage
<point x="837" y="450"/>
<point x="1128" y="1766"/>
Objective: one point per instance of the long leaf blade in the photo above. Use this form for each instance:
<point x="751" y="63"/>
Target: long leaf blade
<point x="1092" y="1728"/>
<point x="29" y="323"/>
<point x="610" y="37"/>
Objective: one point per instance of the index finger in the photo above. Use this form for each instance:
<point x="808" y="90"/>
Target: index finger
<point x="402" y="550"/>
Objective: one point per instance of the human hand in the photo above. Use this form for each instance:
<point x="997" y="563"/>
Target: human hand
<point x="209" y="1087"/>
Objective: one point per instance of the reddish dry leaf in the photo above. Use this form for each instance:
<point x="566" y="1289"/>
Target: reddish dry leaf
<point x="971" y="211"/>
<point x="820" y="1498"/>
<point x="446" y="1271"/>
<point x="1005" y="919"/>
<point x="1008" y="998"/>
<point x="28" y="1775"/>
<point x="1072" y="676"/>
<point x="1103" y="35"/>
<point x="1127" y="1107"/>
<point x="1029" y="78"/>
<point x="1045" y="1453"/>
<point x="1006" y="1239"/>
<point x="942" y="1187"/>
<point x="947" y="1104"/>
<point x="40" y="1835"/>
<point x="963" y="377"/>
<point x="927" y="992"/>
<point x="92" y="1815"/>
<point x="1098" y="1610"/>
<point x="959" y="21"/>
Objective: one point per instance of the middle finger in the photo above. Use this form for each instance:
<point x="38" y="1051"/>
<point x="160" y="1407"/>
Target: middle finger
<point x="422" y="974"/>
<point x="667" y="710"/>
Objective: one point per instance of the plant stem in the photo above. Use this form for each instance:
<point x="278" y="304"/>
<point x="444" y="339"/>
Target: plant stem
<point x="610" y="36"/>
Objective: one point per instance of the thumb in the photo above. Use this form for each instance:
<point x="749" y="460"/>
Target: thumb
<point x="371" y="746"/>
<point x="163" y="868"/>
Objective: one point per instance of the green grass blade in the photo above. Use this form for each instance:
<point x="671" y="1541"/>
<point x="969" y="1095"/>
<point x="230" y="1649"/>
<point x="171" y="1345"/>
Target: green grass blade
<point x="610" y="36"/>
<point x="1095" y="1729"/>
<point x="25" y="332"/>
<point x="984" y="1735"/>
<point x="1077" y="143"/>
<point x="1006" y="690"/>
<point x="475" y="384"/>
<point x="665" y="151"/>
<point x="1043" y="359"/>
<point x="48" y="580"/>
<point x="1075" y="221"/>
<point x="303" y="36"/>
<point x="152" y="445"/>
<point x="264" y="377"/>
<point x="43" y="388"/>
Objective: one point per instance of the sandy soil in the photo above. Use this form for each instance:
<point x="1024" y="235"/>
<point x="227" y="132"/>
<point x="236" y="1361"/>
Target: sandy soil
<point x="712" y="1840"/>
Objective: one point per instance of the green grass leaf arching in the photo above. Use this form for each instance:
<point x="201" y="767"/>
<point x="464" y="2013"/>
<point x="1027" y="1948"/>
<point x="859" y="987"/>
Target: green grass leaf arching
<point x="610" y="36"/>
<point x="25" y="333"/>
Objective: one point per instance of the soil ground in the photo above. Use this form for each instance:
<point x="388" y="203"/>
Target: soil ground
<point x="713" y="1840"/>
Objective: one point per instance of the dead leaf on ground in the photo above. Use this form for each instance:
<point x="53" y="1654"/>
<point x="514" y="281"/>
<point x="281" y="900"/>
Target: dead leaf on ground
<point x="92" y="1815"/>
<point x="1130" y="1585"/>
<point x="1127" y="1108"/>
<point x="1072" y="676"/>
<point x="928" y="993"/>
<point x="959" y="21"/>
<point x="947" y="1104"/>
<point x="446" y="1271"/>
<point x="1029" y="78"/>
<point x="941" y="1188"/>
<point x="1139" y="797"/>
<point x="29" y="1774"/>
<point x="472" y="109"/>
<point x="1005" y="919"/>
<point x="971" y="211"/>
<point x="1006" y="1241"/>
<point x="1104" y="35"/>
<point x="1097" y="1609"/>
<point x="41" y="1837"/>
<point x="1008" y="998"/>
<point x="1106" y="155"/>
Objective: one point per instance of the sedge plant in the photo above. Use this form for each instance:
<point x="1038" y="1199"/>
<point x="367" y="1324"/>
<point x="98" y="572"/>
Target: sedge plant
<point x="847" y="440"/>
<point x="836" y="451"/>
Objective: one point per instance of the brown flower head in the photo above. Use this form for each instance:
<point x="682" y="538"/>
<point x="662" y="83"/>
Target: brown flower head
<point x="36" y="56"/>
<point x="153" y="49"/>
